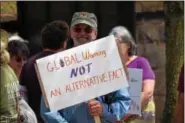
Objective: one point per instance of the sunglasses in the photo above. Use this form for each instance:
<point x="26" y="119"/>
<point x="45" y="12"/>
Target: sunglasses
<point x="86" y="30"/>
<point x="19" y="59"/>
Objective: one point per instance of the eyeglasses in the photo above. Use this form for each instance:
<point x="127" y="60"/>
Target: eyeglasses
<point x="86" y="30"/>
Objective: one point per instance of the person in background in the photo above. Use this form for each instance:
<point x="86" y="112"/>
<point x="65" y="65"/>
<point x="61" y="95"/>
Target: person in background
<point x="54" y="39"/>
<point x="109" y="108"/>
<point x="13" y="109"/>
<point x="128" y="47"/>
<point x="179" y="113"/>
<point x="19" y="53"/>
<point x="8" y="85"/>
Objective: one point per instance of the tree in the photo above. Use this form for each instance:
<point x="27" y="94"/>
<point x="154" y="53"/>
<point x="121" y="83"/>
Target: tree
<point x="174" y="28"/>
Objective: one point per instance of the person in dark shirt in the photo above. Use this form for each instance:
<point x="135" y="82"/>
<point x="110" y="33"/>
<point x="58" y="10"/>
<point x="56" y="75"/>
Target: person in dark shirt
<point x="179" y="113"/>
<point x="54" y="39"/>
<point x="108" y="108"/>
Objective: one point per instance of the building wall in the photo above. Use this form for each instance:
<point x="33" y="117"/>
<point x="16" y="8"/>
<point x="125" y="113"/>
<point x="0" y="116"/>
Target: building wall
<point x="150" y="36"/>
<point x="33" y="15"/>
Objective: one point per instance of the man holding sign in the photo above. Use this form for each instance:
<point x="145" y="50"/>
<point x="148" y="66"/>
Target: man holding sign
<point x="109" y="108"/>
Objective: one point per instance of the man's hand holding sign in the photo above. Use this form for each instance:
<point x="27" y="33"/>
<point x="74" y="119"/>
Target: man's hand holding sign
<point x="95" y="107"/>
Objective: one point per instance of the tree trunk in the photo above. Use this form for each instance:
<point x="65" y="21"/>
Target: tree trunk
<point x="174" y="29"/>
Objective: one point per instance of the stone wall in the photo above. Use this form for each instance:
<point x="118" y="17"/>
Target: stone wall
<point x="149" y="6"/>
<point x="150" y="39"/>
<point x="156" y="56"/>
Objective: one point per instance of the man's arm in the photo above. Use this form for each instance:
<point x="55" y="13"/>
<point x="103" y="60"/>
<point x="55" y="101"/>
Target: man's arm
<point x="118" y="108"/>
<point x="50" y="116"/>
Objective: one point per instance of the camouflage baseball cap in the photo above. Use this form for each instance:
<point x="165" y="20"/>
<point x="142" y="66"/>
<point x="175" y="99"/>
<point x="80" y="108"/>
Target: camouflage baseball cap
<point x="84" y="18"/>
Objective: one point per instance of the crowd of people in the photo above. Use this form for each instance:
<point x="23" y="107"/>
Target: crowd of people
<point x="18" y="74"/>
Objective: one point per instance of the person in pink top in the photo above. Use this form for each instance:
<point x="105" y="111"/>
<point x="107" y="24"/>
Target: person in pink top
<point x="128" y="47"/>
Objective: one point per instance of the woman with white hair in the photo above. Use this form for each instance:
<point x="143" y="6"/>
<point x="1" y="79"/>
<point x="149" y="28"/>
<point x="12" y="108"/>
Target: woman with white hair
<point x="128" y="47"/>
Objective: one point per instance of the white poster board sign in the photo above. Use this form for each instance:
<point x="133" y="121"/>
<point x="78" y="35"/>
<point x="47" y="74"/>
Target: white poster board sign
<point x="81" y="73"/>
<point x="135" y="86"/>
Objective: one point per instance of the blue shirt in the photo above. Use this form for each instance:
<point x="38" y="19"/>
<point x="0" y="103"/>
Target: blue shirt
<point x="115" y="105"/>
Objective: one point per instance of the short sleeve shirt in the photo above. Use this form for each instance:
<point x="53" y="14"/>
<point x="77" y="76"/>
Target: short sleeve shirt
<point x="142" y="63"/>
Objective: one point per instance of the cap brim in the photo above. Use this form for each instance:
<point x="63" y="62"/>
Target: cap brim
<point x="82" y="22"/>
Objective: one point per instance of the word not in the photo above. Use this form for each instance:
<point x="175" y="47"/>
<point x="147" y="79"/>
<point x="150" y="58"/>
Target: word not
<point x="81" y="70"/>
<point x="105" y="77"/>
<point x="87" y="55"/>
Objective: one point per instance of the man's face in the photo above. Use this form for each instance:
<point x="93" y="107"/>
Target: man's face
<point x="82" y="33"/>
<point x="17" y="62"/>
